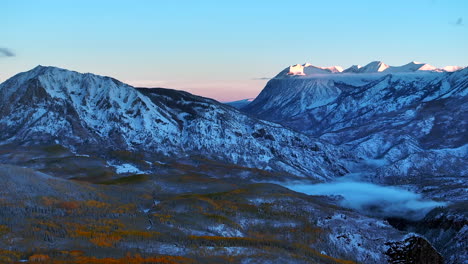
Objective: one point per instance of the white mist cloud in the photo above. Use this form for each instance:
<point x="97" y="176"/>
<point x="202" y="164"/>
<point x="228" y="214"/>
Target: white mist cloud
<point x="382" y="201"/>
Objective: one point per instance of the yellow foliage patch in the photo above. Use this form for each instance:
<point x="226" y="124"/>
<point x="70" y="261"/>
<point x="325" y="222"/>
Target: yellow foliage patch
<point x="96" y="204"/>
<point x="125" y="208"/>
<point x="163" y="218"/>
<point x="4" y="230"/>
<point x="106" y="232"/>
<point x="8" y="256"/>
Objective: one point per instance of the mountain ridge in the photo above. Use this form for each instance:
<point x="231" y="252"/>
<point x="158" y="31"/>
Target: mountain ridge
<point x="49" y="104"/>
<point x="386" y="116"/>
<point x="308" y="69"/>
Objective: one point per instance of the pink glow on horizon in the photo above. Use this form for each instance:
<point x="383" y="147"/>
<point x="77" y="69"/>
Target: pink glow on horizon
<point x="223" y="91"/>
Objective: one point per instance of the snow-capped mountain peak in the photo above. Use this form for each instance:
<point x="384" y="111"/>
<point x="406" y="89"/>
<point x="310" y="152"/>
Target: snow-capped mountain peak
<point x="411" y="67"/>
<point x="452" y="68"/>
<point x="353" y="68"/>
<point x="333" y="69"/>
<point x="308" y="69"/>
<point x="375" y="66"/>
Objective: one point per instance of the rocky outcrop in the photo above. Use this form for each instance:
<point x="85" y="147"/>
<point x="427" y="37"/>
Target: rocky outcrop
<point x="413" y="250"/>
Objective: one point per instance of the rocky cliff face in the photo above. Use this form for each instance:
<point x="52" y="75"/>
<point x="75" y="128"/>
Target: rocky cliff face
<point x="446" y="228"/>
<point x="414" y="250"/>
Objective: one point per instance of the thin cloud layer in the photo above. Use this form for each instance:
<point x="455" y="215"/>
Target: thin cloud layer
<point x="372" y="199"/>
<point x="4" y="52"/>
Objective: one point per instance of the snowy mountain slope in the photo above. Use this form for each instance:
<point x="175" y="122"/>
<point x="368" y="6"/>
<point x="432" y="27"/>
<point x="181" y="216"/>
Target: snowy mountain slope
<point x="208" y="125"/>
<point x="48" y="103"/>
<point x="402" y="119"/>
<point x="88" y="111"/>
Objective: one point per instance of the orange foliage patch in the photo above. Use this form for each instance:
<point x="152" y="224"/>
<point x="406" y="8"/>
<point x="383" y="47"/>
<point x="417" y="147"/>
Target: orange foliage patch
<point x="96" y="204"/>
<point x="163" y="218"/>
<point x="106" y="232"/>
<point x="69" y="206"/>
<point x="40" y="258"/>
<point x="8" y="256"/>
<point x="133" y="260"/>
<point x="74" y="205"/>
<point x="227" y="239"/>
<point x="72" y="253"/>
<point x="4" y="229"/>
<point x="49" y="201"/>
<point x="124" y="209"/>
<point x="105" y="240"/>
<point x="137" y="259"/>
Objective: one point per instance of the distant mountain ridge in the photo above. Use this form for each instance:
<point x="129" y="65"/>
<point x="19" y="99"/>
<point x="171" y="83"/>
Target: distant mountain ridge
<point x="308" y="69"/>
<point x="240" y="103"/>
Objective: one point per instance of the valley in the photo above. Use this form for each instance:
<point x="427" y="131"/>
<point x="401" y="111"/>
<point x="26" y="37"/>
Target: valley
<point x="324" y="166"/>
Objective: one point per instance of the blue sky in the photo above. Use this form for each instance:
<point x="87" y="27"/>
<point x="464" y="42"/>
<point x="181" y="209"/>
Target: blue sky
<point x="219" y="48"/>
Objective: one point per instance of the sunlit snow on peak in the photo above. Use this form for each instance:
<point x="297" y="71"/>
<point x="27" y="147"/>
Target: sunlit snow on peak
<point x="308" y="69"/>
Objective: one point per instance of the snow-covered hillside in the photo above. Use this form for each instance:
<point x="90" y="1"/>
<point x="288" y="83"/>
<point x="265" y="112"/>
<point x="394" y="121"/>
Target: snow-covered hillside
<point x="407" y="121"/>
<point x="47" y="105"/>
